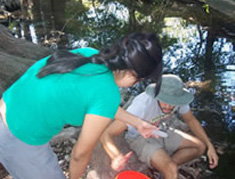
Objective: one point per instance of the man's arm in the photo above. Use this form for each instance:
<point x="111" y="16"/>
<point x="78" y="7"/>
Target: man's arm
<point x="92" y="129"/>
<point x="118" y="160"/>
<point x="199" y="132"/>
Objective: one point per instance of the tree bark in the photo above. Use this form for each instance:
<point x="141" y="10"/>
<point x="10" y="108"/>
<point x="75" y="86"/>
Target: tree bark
<point x="16" y="55"/>
<point x="10" y="5"/>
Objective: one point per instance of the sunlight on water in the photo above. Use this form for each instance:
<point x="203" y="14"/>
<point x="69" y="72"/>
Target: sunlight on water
<point x="118" y="10"/>
<point x="176" y="28"/>
<point x="228" y="78"/>
<point x="186" y="36"/>
<point x="227" y="92"/>
<point x="22" y="33"/>
<point x="80" y="43"/>
<point x="187" y="47"/>
<point x="33" y="33"/>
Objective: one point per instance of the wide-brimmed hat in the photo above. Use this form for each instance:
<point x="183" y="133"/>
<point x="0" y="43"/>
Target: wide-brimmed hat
<point x="172" y="91"/>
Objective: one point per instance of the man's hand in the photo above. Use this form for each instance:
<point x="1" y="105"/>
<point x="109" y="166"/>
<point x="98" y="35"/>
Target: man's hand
<point x="212" y="157"/>
<point x="119" y="162"/>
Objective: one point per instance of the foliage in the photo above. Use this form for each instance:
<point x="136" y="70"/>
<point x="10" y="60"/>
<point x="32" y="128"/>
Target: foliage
<point x="206" y="7"/>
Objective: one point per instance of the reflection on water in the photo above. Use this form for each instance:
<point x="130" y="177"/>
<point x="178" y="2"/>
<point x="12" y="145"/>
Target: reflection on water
<point x="33" y="33"/>
<point x="228" y="92"/>
<point x="186" y="56"/>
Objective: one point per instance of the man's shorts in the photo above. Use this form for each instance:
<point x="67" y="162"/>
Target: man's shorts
<point x="144" y="148"/>
<point x="25" y="161"/>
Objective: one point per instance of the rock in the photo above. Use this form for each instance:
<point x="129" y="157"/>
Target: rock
<point x="67" y="135"/>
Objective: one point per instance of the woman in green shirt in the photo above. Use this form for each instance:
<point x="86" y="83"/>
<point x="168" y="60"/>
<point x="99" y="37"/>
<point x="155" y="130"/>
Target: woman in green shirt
<point x="80" y="88"/>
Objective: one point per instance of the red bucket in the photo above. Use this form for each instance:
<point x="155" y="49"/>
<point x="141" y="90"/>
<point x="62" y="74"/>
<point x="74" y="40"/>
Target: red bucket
<point x="131" y="175"/>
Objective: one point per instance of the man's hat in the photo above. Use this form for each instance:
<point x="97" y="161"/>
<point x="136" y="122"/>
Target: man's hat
<point x="172" y="91"/>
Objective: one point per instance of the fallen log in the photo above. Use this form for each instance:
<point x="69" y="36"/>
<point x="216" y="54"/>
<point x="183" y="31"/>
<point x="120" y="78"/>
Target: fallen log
<point x="16" y="55"/>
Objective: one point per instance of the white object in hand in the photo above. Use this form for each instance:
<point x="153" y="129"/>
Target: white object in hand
<point x="160" y="133"/>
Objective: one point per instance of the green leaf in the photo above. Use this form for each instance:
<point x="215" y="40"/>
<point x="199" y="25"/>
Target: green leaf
<point x="206" y="7"/>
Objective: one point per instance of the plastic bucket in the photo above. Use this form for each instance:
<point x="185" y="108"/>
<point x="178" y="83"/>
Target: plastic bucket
<point x="131" y="175"/>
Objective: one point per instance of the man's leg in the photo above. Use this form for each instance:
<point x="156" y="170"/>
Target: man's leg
<point x="150" y="152"/>
<point x="162" y="162"/>
<point x="178" y="148"/>
<point x="190" y="148"/>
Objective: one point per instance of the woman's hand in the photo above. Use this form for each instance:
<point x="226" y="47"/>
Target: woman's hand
<point x="119" y="162"/>
<point x="146" y="129"/>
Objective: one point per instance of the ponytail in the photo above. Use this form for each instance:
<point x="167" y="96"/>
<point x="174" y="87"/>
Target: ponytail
<point x="140" y="52"/>
<point x="63" y="61"/>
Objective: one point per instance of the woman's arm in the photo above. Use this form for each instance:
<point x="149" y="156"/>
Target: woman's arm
<point x="114" y="129"/>
<point x="92" y="129"/>
<point x="118" y="160"/>
<point x="143" y="127"/>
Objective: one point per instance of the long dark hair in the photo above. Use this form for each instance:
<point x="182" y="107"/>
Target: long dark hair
<point x="140" y="52"/>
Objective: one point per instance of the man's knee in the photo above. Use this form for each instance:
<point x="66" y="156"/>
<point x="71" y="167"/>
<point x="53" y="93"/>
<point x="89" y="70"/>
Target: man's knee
<point x="162" y="162"/>
<point x="171" y="171"/>
<point x="168" y="169"/>
<point x="196" y="144"/>
<point x="201" y="148"/>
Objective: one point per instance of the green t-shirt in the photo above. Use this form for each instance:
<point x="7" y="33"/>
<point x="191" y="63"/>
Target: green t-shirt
<point x="38" y="109"/>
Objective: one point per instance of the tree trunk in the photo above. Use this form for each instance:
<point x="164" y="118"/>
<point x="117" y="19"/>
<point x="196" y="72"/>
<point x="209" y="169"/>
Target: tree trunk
<point x="16" y="55"/>
<point x="10" y="5"/>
